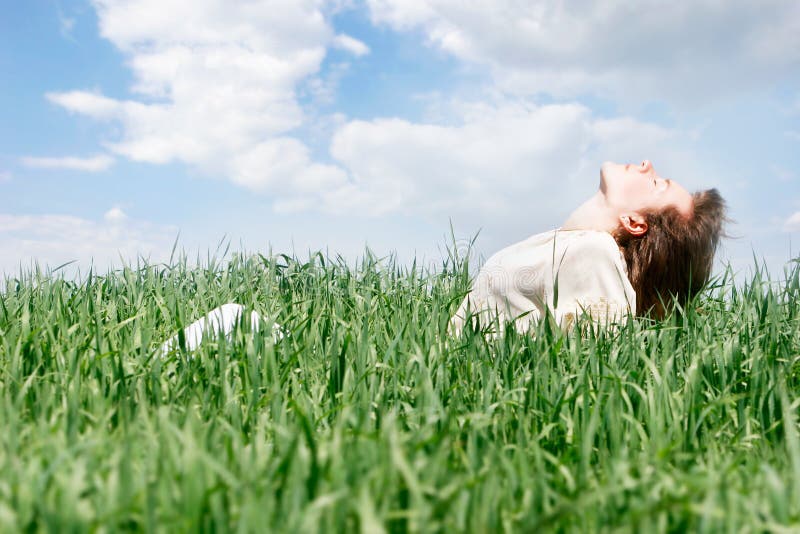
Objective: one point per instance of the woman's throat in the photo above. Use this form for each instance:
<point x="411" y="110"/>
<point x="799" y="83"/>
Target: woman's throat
<point x="594" y="214"/>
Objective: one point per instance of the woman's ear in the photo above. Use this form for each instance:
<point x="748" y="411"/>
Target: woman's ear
<point x="633" y="223"/>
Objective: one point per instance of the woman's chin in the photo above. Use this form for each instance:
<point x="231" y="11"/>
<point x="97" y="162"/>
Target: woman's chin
<point x="603" y="175"/>
<point x="607" y="166"/>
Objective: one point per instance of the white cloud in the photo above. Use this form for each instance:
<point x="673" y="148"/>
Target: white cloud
<point x="643" y="50"/>
<point x="5" y="177"/>
<point x="510" y="161"/>
<point x="323" y="89"/>
<point x="283" y="165"/>
<point x="792" y="223"/>
<point x="115" y="215"/>
<point x="96" y="163"/>
<point x="57" y="239"/>
<point x="219" y="91"/>
<point x="92" y="104"/>
<point x="350" y="44"/>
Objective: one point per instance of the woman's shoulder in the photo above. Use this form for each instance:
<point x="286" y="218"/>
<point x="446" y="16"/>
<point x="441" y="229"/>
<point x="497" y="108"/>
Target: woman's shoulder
<point x="555" y="247"/>
<point x="592" y="250"/>
<point x="526" y="246"/>
<point x="587" y="242"/>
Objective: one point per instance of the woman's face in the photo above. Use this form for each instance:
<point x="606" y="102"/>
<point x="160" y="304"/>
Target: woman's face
<point x="638" y="188"/>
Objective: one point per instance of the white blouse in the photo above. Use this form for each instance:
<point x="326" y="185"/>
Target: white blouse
<point x="568" y="272"/>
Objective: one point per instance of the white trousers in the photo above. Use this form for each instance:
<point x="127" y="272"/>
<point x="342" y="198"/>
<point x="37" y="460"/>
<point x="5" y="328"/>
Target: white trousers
<point x="221" y="319"/>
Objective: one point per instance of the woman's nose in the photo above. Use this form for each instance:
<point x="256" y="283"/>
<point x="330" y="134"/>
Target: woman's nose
<point x="646" y="166"/>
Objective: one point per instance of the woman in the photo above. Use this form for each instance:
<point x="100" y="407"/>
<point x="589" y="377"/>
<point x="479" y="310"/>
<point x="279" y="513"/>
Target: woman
<point x="637" y="243"/>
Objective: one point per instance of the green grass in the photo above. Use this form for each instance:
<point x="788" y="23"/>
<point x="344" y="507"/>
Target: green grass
<point x="366" y="416"/>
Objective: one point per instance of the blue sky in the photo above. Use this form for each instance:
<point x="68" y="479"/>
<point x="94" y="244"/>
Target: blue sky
<point x="302" y="125"/>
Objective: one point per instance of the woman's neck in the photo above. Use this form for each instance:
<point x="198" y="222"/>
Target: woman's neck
<point x="594" y="214"/>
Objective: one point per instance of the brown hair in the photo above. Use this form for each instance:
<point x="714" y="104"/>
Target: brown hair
<point x="673" y="258"/>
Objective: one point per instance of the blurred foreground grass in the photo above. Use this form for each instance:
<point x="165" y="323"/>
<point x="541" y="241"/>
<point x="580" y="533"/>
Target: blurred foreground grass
<point x="367" y="417"/>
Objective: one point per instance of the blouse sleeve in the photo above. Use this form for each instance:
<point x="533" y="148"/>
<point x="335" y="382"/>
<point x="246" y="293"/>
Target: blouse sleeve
<point x="475" y="303"/>
<point x="456" y="324"/>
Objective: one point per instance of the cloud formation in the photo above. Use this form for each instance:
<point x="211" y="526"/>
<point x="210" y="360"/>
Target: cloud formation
<point x="218" y="91"/>
<point x="115" y="215"/>
<point x="54" y="239"/>
<point x="354" y="46"/>
<point x="509" y="160"/>
<point x="792" y="223"/>
<point x="98" y="163"/>
<point x="683" y="51"/>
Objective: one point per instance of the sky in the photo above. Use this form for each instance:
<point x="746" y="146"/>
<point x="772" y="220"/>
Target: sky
<point x="407" y="126"/>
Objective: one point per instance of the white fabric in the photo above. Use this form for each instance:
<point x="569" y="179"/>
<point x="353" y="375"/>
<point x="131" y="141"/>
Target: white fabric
<point x="221" y="319"/>
<point x="519" y="282"/>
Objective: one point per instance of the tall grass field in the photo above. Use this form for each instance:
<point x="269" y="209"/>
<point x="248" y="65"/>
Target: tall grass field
<point x="367" y="417"/>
